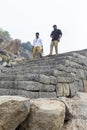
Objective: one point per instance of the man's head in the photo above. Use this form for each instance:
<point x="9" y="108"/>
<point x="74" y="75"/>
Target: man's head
<point x="54" y="27"/>
<point x="37" y="34"/>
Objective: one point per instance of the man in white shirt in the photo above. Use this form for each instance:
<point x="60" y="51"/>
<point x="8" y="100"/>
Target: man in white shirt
<point x="37" y="46"/>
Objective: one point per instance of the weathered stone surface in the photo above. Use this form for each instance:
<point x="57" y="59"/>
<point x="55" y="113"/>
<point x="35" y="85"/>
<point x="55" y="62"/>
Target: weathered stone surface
<point x="65" y="80"/>
<point x="13" y="46"/>
<point x="57" y="72"/>
<point x="77" y="107"/>
<point x="45" y="114"/>
<point x="13" y="111"/>
<point x="24" y="93"/>
<point x="58" y="75"/>
<point x="27" y="85"/>
<point x="47" y="80"/>
<point x="85" y="85"/>
<point x="73" y="89"/>
<point x="74" y="64"/>
<point x="47" y="95"/>
<point x="75" y="124"/>
<point x="62" y="89"/>
<point x="76" y="87"/>
<point x="80" y="73"/>
<point x="80" y="86"/>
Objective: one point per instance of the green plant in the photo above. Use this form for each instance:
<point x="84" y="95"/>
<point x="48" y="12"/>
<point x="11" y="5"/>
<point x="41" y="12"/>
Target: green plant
<point x="4" y="33"/>
<point x="5" y="58"/>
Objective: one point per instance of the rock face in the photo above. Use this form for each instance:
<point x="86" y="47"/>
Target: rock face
<point x="45" y="114"/>
<point x="55" y="76"/>
<point x="14" y="52"/>
<point x="9" y="51"/>
<point x="77" y="116"/>
<point x="13" y="46"/>
<point x="13" y="110"/>
<point x="4" y="39"/>
<point x="25" y="50"/>
<point x="60" y="78"/>
<point x="62" y="113"/>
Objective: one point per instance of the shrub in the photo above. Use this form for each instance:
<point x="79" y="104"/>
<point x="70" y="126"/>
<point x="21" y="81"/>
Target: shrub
<point x="4" y="58"/>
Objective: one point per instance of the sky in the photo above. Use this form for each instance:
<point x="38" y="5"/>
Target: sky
<point x="23" y="18"/>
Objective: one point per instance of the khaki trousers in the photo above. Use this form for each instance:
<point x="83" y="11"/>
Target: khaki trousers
<point x="54" y="44"/>
<point x="37" y="49"/>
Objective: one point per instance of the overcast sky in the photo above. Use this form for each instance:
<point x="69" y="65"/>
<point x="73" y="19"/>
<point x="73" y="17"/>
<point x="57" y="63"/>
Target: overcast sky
<point x="22" y="18"/>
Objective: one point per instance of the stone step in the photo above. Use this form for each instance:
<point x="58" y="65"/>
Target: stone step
<point x="31" y="66"/>
<point x="24" y="66"/>
<point x="43" y="70"/>
<point x="31" y="77"/>
<point x="45" y="60"/>
<point x="28" y="94"/>
<point x="28" y="86"/>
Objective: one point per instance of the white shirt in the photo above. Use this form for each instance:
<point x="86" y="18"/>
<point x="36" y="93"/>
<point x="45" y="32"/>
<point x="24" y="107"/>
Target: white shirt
<point x="37" y="42"/>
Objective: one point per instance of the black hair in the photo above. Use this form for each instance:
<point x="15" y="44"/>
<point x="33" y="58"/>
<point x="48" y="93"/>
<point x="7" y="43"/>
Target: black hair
<point x="55" y="25"/>
<point x="37" y="33"/>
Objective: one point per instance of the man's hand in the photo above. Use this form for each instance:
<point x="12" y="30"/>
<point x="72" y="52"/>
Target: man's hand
<point x="59" y="38"/>
<point x="42" y="48"/>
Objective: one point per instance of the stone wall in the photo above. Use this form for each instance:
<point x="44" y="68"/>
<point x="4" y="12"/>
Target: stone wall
<point x="61" y="78"/>
<point x="55" y="76"/>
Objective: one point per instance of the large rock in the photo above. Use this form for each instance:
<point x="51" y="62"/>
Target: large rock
<point x="13" y="46"/>
<point x="4" y="39"/>
<point x="76" y="116"/>
<point x="45" y="114"/>
<point x="26" y="50"/>
<point x="75" y="124"/>
<point x="13" y="111"/>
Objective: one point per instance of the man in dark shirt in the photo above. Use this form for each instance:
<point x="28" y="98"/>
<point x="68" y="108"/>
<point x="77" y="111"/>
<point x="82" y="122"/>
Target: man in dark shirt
<point x="56" y="34"/>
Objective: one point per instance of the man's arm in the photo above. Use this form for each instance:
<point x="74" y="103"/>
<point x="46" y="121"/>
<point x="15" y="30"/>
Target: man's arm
<point x="51" y="35"/>
<point x="60" y="35"/>
<point x="41" y="43"/>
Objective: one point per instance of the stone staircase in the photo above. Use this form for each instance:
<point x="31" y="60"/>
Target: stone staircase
<point x="51" y="77"/>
